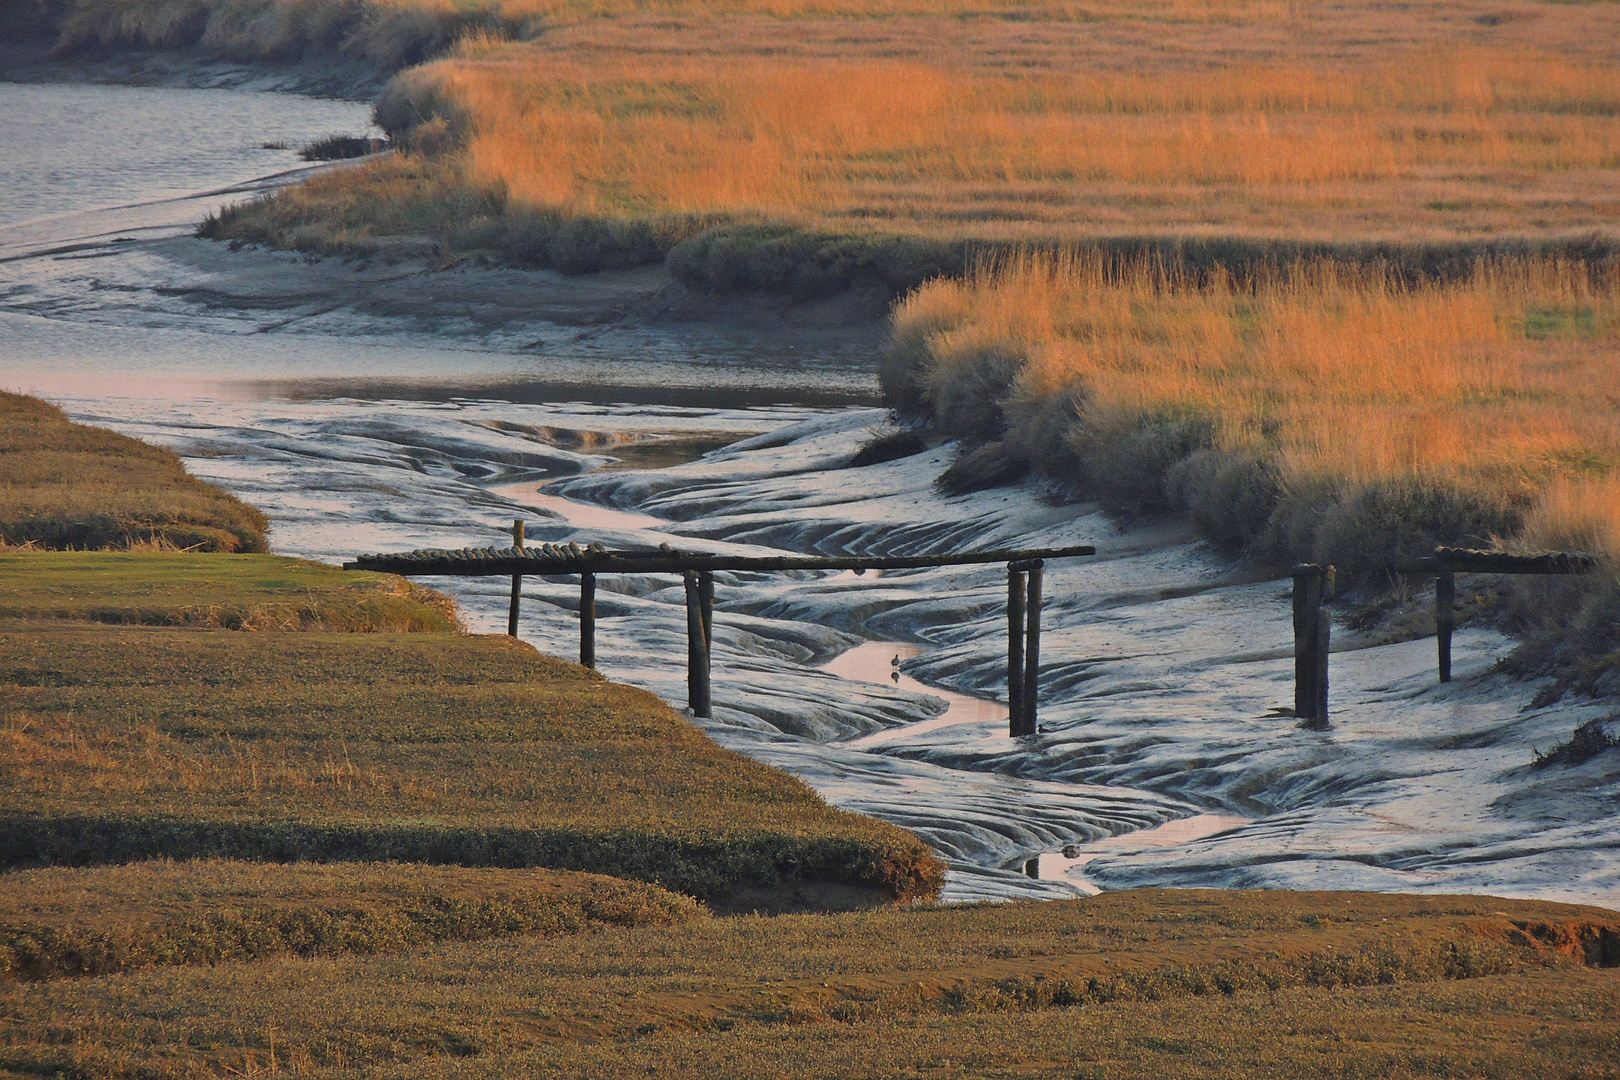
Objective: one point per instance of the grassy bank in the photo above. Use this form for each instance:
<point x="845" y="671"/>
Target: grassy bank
<point x="249" y="592"/>
<point x="139" y="721"/>
<point x="65" y="485"/>
<point x="1201" y="983"/>
<point x="801" y="147"/>
<point x="64" y="922"/>
<point x="131" y="743"/>
<point x="1293" y="412"/>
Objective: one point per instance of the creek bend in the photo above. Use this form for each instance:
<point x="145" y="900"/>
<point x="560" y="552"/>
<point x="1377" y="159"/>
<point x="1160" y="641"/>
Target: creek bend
<point x="370" y="408"/>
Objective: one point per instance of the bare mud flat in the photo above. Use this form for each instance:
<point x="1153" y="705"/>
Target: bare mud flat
<point x="397" y="405"/>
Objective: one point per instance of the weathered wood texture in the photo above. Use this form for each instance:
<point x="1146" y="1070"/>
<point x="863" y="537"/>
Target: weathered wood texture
<point x="1468" y="561"/>
<point x="1308" y="581"/>
<point x="698" y="695"/>
<point x="1445" y="620"/>
<point x="587" y="620"/>
<point x="573" y="559"/>
<point x="517" y="583"/>
<point x="1028" y="725"/>
<point x="1017" y="592"/>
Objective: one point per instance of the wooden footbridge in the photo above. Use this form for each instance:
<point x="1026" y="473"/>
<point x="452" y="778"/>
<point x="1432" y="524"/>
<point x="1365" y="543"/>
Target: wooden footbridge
<point x="697" y="570"/>
<point x="1313" y="588"/>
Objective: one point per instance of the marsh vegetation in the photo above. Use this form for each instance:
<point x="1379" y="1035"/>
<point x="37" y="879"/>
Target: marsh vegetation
<point x="1205" y="983"/>
<point x="66" y="485"/>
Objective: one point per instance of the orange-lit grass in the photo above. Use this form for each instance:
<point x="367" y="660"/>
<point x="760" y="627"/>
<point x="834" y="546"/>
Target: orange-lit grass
<point x="1483" y="138"/>
<point x="1506" y="384"/>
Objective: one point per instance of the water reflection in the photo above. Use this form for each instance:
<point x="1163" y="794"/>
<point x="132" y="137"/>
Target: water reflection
<point x="1064" y="865"/>
<point x="583" y="515"/>
<point x="880" y="662"/>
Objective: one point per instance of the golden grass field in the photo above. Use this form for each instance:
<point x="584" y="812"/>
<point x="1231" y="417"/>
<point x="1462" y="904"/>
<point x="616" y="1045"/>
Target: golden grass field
<point x="990" y="128"/>
<point x="1138" y="984"/>
<point x="65" y="922"/>
<point x="65" y="485"/>
<point x="123" y="743"/>
<point x="1450" y="124"/>
<point x="246" y="592"/>
<point x="1317" y="383"/>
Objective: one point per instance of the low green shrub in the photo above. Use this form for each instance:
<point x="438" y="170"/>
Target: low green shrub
<point x="982" y="468"/>
<point x="888" y="446"/>
<point x="1383" y="521"/>
<point x="1128" y="469"/>
<point x="1232" y="496"/>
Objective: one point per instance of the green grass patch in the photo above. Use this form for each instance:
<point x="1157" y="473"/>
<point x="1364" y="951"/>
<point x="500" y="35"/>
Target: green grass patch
<point x="237" y="592"/>
<point x="79" y="922"/>
<point x="130" y="743"/>
<point x="66" y="485"/>
<point x="1305" y="984"/>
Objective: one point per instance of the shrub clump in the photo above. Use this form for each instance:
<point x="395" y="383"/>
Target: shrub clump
<point x="342" y="147"/>
<point x="1588" y="741"/>
<point x="1319" y="411"/>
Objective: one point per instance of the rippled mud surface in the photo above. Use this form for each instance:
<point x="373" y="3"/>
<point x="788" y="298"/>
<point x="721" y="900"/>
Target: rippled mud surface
<point x="391" y="406"/>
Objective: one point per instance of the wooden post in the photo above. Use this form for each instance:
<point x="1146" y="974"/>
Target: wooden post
<point x="1307" y="602"/>
<point x="706" y="611"/>
<point x="587" y="620"/>
<point x="517" y="582"/>
<point x="706" y="605"/>
<point x="1017" y="585"/>
<point x="1445" y="619"/>
<point x="1032" y="651"/>
<point x="697" y="670"/>
<point x="1324" y="637"/>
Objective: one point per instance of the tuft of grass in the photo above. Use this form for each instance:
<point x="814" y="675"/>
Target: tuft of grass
<point x="239" y="592"/>
<point x="121" y="744"/>
<point x="1134" y="979"/>
<point x="66" y="485"/>
<point x="64" y="922"/>
<point x="890" y="445"/>
<point x="1588" y="741"/>
<point x="341" y="148"/>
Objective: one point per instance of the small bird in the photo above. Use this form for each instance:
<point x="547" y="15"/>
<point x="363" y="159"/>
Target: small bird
<point x="896" y="661"/>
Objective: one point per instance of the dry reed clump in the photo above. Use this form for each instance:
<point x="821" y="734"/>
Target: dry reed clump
<point x="860" y="140"/>
<point x="121" y="744"/>
<point x="1322" y="412"/>
<point x="65" y="485"/>
<point x="83" y="922"/>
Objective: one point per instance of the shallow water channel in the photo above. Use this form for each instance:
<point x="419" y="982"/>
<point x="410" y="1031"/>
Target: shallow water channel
<point x="359" y="427"/>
